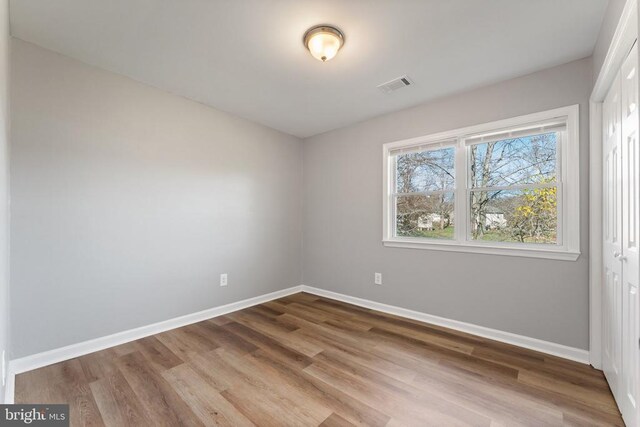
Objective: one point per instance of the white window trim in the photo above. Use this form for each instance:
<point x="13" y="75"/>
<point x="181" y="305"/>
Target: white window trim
<point x="568" y="192"/>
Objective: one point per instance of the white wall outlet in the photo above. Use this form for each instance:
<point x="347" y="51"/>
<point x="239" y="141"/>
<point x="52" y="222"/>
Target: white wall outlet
<point x="223" y="279"/>
<point x="377" y="278"/>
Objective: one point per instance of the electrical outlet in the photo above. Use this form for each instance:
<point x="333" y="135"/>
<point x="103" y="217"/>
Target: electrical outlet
<point x="377" y="279"/>
<point x="223" y="279"/>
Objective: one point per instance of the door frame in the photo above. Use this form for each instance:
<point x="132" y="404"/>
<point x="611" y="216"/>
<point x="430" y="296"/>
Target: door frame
<point x="623" y="39"/>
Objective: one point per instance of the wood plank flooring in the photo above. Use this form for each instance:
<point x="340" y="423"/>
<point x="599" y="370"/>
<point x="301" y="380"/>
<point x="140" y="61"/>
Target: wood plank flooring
<point x="304" y="360"/>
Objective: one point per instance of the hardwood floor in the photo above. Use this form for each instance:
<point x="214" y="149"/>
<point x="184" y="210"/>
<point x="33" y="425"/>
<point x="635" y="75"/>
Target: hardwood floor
<point x="304" y="360"/>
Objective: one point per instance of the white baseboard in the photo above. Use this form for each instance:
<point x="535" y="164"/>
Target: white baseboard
<point x="9" y="389"/>
<point x="571" y="353"/>
<point x="35" y="361"/>
<point x="50" y="357"/>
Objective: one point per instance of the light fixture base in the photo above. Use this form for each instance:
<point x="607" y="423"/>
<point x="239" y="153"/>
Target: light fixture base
<point x="321" y="52"/>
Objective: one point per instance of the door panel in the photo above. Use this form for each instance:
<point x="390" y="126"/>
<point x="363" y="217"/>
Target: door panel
<point x="630" y="258"/>
<point x="612" y="242"/>
<point x="631" y="319"/>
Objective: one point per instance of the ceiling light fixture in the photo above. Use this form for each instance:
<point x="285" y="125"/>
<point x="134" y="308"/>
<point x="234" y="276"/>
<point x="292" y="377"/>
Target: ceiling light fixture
<point x="323" y="41"/>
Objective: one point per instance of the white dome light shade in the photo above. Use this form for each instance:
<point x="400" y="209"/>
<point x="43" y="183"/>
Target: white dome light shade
<point x="323" y="42"/>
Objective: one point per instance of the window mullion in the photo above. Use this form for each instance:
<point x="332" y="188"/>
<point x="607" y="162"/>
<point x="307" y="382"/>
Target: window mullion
<point x="425" y="193"/>
<point x="461" y="208"/>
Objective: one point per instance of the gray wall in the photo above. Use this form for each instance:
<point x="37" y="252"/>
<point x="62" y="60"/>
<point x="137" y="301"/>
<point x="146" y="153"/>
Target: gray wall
<point x="607" y="29"/>
<point x="128" y="202"/>
<point x="544" y="299"/>
<point x="4" y="185"/>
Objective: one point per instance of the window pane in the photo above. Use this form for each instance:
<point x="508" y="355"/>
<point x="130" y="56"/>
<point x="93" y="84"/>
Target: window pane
<point x="429" y="216"/>
<point x="525" y="216"/>
<point x="527" y="160"/>
<point x="425" y="171"/>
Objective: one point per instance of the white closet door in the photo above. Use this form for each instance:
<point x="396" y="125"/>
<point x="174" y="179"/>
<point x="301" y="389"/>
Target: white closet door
<point x="630" y="257"/>
<point x="612" y="238"/>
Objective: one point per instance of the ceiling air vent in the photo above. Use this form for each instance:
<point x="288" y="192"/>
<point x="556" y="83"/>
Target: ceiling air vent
<point x="395" y="84"/>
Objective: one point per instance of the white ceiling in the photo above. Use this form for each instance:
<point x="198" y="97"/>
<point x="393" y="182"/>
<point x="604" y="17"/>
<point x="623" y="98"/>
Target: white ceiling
<point x="246" y="56"/>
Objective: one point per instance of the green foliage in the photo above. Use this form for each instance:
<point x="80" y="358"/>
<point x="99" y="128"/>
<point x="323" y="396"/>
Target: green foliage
<point x="445" y="233"/>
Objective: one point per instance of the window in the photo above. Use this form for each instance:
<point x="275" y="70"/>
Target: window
<point x="509" y="187"/>
<point x="425" y="193"/>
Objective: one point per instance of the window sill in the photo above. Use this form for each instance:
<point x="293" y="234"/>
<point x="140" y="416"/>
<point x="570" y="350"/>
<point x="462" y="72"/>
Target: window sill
<point x="527" y="252"/>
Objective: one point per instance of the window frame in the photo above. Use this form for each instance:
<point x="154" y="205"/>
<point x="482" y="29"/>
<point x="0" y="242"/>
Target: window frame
<point x="568" y="191"/>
